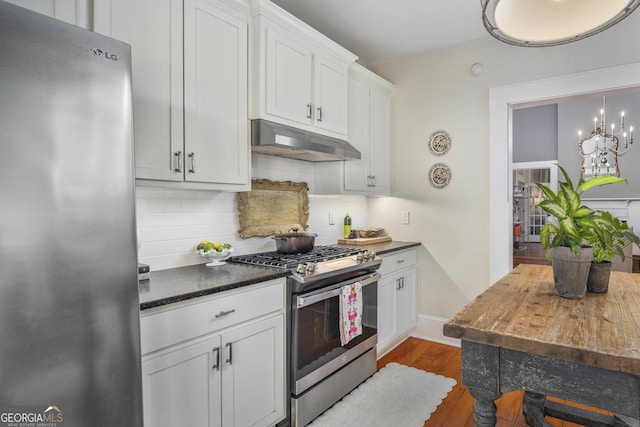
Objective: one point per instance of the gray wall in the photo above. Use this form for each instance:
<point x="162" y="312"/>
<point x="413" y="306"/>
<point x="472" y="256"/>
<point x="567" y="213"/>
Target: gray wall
<point x="535" y="133"/>
<point x="532" y="139"/>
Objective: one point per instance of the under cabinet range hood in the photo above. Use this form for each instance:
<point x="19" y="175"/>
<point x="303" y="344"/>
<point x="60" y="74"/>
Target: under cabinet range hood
<point x="285" y="141"/>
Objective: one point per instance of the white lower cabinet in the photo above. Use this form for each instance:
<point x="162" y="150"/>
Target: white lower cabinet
<point x="397" y="299"/>
<point x="183" y="387"/>
<point x="232" y="376"/>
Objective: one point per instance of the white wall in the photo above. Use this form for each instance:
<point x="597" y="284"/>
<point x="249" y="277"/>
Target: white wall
<point x="172" y="222"/>
<point x="435" y="90"/>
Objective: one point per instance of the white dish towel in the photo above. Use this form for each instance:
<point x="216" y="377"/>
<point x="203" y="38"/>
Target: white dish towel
<point x="350" y="312"/>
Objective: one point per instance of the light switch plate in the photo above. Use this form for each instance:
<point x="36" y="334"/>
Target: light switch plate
<point x="332" y="217"/>
<point x="404" y="217"/>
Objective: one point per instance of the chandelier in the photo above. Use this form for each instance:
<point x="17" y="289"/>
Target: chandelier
<point x="539" y="23"/>
<point x="600" y="150"/>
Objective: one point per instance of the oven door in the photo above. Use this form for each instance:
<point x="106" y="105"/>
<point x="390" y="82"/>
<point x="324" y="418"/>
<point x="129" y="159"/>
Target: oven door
<point x="316" y="349"/>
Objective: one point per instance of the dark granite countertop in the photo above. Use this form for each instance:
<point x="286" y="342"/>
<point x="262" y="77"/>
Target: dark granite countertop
<point x="183" y="283"/>
<point x="387" y="247"/>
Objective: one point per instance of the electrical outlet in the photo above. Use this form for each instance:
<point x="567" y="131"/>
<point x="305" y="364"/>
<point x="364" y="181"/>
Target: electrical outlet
<point x="332" y="217"/>
<point x="404" y="217"/>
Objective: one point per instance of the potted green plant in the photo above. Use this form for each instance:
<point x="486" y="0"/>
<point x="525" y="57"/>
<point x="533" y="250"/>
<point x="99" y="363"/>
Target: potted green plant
<point x="608" y="239"/>
<point x="565" y="241"/>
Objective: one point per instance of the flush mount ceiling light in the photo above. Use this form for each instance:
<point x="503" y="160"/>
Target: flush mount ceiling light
<point x="539" y="23"/>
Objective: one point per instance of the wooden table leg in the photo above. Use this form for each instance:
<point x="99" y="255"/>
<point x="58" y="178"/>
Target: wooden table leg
<point x="481" y="376"/>
<point x="484" y="408"/>
<point x="533" y="409"/>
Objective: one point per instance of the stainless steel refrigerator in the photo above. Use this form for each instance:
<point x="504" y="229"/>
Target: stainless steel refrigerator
<point x="69" y="325"/>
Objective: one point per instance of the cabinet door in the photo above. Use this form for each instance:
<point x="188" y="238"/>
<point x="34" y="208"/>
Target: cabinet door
<point x="330" y="95"/>
<point x="182" y="388"/>
<point x="288" y="79"/>
<point x="153" y="28"/>
<point x="71" y="11"/>
<point x="386" y="310"/>
<point x="253" y="374"/>
<point x="380" y="131"/>
<point x="357" y="171"/>
<point x="215" y="95"/>
<point x="407" y="316"/>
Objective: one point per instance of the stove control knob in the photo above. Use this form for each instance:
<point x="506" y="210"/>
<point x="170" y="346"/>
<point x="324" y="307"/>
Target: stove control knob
<point x="301" y="268"/>
<point x="366" y="255"/>
<point x="359" y="257"/>
<point x="372" y="255"/>
<point x="311" y="267"/>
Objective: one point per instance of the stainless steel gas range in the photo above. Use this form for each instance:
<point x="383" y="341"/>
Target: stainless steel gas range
<point x="321" y="369"/>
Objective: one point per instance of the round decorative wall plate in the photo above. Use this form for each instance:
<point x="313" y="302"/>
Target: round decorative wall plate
<point x="440" y="175"/>
<point x="439" y="143"/>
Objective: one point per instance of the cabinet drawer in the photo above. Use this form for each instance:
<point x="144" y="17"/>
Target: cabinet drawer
<point x="165" y="328"/>
<point x="397" y="261"/>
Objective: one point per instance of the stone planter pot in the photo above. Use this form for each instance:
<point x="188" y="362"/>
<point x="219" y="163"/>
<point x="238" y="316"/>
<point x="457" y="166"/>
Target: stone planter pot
<point x="599" y="274"/>
<point x="570" y="271"/>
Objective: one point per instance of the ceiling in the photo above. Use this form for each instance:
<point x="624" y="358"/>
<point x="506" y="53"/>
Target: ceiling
<point x="382" y="30"/>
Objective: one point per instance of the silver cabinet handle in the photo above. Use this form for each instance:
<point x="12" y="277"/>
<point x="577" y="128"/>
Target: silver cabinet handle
<point x="192" y="157"/>
<point x="216" y="365"/>
<point x="309" y="111"/>
<point x="400" y="261"/>
<point x="178" y="157"/>
<point x="225" y="313"/>
<point x="229" y="361"/>
<point x="373" y="178"/>
<point x="319" y="114"/>
<point x="397" y="283"/>
<point x="368" y="180"/>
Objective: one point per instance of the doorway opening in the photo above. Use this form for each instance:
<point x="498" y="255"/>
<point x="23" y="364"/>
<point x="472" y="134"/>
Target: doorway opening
<point x="528" y="217"/>
<point x="539" y="92"/>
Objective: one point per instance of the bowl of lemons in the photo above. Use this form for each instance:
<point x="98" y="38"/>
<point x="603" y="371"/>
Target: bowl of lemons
<point x="214" y="252"/>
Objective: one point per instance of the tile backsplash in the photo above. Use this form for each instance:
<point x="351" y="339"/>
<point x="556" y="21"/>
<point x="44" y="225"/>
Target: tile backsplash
<point x="172" y="222"/>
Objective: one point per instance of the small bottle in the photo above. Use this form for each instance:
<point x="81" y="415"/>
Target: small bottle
<point x="346" y="231"/>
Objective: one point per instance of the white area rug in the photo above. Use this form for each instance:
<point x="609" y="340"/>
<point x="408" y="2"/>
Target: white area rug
<point x="397" y="395"/>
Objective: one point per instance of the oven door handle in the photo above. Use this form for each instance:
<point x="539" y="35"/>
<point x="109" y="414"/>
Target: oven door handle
<point x="303" y="301"/>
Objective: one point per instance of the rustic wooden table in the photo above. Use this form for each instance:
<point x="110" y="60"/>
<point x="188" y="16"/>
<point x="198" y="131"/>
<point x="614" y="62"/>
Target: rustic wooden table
<point x="519" y="334"/>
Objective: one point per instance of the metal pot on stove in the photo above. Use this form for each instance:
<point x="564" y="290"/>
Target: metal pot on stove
<point x="293" y="243"/>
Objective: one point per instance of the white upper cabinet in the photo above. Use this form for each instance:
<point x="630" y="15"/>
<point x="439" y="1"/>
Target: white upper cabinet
<point x="74" y="12"/>
<point x="369" y="112"/>
<point x="289" y="66"/>
<point x="189" y="64"/>
<point x="331" y="80"/>
<point x="154" y="30"/>
<point x="299" y="77"/>
<point x="215" y="95"/>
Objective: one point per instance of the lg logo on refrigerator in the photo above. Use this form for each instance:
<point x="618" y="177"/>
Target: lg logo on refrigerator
<point x="106" y="55"/>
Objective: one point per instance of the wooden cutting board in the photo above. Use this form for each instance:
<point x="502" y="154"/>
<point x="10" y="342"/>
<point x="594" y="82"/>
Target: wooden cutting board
<point x="364" y="240"/>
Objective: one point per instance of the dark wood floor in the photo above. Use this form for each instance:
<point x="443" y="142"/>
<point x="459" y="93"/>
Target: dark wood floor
<point x="456" y="409"/>
<point x="529" y="253"/>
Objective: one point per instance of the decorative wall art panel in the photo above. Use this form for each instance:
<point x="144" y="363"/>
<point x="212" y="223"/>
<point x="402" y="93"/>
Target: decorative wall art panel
<point x="439" y="143"/>
<point x="440" y="175"/>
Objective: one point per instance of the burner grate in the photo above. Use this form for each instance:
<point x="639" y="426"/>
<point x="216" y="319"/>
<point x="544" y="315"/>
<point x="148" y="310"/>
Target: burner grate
<point x="286" y="261"/>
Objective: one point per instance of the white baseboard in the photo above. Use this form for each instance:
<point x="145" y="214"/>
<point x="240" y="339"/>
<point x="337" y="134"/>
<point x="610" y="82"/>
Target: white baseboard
<point x="430" y="328"/>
